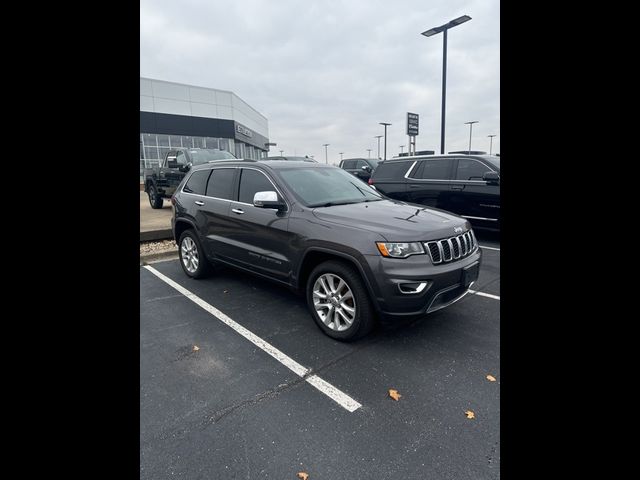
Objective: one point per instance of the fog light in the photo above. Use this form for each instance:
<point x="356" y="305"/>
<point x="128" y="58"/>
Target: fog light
<point x="412" y="288"/>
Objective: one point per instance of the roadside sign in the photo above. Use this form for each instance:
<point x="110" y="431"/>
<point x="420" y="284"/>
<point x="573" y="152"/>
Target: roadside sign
<point x="412" y="124"/>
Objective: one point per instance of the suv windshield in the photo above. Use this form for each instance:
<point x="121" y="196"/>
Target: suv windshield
<point x="204" y="155"/>
<point x="494" y="161"/>
<point x="323" y="187"/>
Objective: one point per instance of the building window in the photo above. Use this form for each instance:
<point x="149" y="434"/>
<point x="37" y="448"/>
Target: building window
<point x="212" y="142"/>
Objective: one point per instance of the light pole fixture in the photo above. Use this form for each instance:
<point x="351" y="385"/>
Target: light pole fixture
<point x="378" y="137"/>
<point x="470" y="130"/>
<point x="341" y="155"/>
<point x="401" y="149"/>
<point x="369" y="150"/>
<point x="281" y="151"/>
<point x="325" y="145"/>
<point x="429" y="33"/>
<point x="491" y="143"/>
<point x="385" y="138"/>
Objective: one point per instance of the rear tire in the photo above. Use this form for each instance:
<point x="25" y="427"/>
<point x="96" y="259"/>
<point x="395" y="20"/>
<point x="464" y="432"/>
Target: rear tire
<point x="192" y="258"/>
<point x="339" y="302"/>
<point x="154" y="197"/>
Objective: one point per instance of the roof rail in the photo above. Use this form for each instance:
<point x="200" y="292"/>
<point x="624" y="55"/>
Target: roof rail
<point x="232" y="160"/>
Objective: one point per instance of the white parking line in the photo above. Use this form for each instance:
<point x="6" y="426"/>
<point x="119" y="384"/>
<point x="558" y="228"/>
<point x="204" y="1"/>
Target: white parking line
<point x="329" y="390"/>
<point x="482" y="294"/>
<point x="489" y="248"/>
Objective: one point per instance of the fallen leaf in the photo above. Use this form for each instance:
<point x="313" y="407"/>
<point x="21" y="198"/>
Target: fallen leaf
<point x="394" y="394"/>
<point x="196" y="348"/>
<point x="491" y="378"/>
<point x="303" y="475"/>
<point x="470" y="414"/>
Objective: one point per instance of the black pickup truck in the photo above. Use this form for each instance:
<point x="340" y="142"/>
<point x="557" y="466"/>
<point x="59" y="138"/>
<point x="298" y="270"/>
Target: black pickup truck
<point x="160" y="182"/>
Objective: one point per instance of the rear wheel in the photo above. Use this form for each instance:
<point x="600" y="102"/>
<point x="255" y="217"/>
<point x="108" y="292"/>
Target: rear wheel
<point x="154" y="197"/>
<point x="339" y="302"/>
<point x="192" y="258"/>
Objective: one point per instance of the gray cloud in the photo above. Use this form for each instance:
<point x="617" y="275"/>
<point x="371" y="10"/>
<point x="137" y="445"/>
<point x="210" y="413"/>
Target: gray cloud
<point x="329" y="71"/>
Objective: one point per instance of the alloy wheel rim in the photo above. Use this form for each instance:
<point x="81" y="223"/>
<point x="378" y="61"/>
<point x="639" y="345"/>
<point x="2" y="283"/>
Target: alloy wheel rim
<point x="334" y="302"/>
<point x="189" y="254"/>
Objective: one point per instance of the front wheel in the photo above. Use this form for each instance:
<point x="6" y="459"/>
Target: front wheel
<point x="155" y="199"/>
<point x="339" y="302"/>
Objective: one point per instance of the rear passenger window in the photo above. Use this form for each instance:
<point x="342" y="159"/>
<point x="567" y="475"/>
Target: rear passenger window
<point x="221" y="183"/>
<point x="471" y="169"/>
<point x="197" y="182"/>
<point x="392" y="170"/>
<point x="436" y="169"/>
<point x="349" y="164"/>
<point x="360" y="164"/>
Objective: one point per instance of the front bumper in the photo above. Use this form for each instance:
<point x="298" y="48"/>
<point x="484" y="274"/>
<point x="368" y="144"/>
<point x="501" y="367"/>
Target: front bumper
<point x="392" y="278"/>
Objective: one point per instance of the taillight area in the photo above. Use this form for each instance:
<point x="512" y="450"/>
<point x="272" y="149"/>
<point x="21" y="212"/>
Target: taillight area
<point x="173" y="200"/>
<point x="370" y="182"/>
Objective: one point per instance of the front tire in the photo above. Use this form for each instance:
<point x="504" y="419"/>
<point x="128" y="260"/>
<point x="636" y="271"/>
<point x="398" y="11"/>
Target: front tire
<point x="339" y="302"/>
<point x="154" y="197"/>
<point x="192" y="258"/>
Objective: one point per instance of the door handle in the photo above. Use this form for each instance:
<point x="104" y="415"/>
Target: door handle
<point x="457" y="187"/>
<point x="415" y="186"/>
<point x="239" y="211"/>
<point x="199" y="202"/>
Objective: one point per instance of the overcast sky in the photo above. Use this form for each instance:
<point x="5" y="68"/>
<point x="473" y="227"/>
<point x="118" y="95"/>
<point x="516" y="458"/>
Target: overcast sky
<point x="329" y="71"/>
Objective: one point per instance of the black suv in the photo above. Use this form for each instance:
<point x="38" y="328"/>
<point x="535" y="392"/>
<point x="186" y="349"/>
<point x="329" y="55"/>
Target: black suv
<point x="319" y="230"/>
<point x="360" y="167"/>
<point x="467" y="185"/>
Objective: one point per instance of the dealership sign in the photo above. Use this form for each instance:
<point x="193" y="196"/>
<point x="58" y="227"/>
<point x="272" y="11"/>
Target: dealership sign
<point x="412" y="124"/>
<point x="244" y="131"/>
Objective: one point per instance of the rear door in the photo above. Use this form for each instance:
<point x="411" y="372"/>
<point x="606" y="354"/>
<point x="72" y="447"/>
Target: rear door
<point x="389" y="179"/>
<point x="258" y="238"/>
<point x="429" y="182"/>
<point x="216" y="224"/>
<point x="472" y="197"/>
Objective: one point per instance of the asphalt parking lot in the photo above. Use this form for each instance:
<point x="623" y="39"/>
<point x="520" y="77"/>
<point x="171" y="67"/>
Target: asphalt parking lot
<point x="229" y="409"/>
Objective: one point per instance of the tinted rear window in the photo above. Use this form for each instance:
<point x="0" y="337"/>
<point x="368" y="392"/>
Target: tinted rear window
<point x="436" y="169"/>
<point x="349" y="164"/>
<point x="221" y="183"/>
<point x="391" y="170"/>
<point x="197" y="183"/>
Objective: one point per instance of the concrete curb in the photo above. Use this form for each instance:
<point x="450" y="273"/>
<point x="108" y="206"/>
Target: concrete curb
<point x="158" y="257"/>
<point x="151" y="235"/>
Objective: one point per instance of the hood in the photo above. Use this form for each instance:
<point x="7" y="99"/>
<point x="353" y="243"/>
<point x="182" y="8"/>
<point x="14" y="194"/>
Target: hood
<point x="395" y="221"/>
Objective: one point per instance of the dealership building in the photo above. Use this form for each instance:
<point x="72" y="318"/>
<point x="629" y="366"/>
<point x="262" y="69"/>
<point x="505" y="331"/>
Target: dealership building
<point x="177" y="115"/>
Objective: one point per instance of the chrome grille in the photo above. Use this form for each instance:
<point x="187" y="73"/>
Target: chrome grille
<point x="452" y="248"/>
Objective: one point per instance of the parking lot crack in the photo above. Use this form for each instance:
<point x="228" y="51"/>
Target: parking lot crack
<point x="269" y="394"/>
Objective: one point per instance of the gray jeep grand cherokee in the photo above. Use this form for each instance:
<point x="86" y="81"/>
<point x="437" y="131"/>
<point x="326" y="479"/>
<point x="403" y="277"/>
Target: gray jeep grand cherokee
<point x="354" y="253"/>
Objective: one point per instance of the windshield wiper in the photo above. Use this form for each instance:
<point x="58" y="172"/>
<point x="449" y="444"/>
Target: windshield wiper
<point x="330" y="204"/>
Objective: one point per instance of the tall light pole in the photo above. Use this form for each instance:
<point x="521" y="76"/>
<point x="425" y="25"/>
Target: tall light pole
<point x="429" y="33"/>
<point x="281" y="152"/>
<point x="325" y="145"/>
<point x="490" y="143"/>
<point x="369" y="150"/>
<point x="401" y="149"/>
<point x="341" y="155"/>
<point x="385" y="138"/>
<point x="378" y="137"/>
<point x="470" y="130"/>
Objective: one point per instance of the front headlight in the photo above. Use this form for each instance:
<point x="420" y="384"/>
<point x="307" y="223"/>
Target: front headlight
<point x="399" y="250"/>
